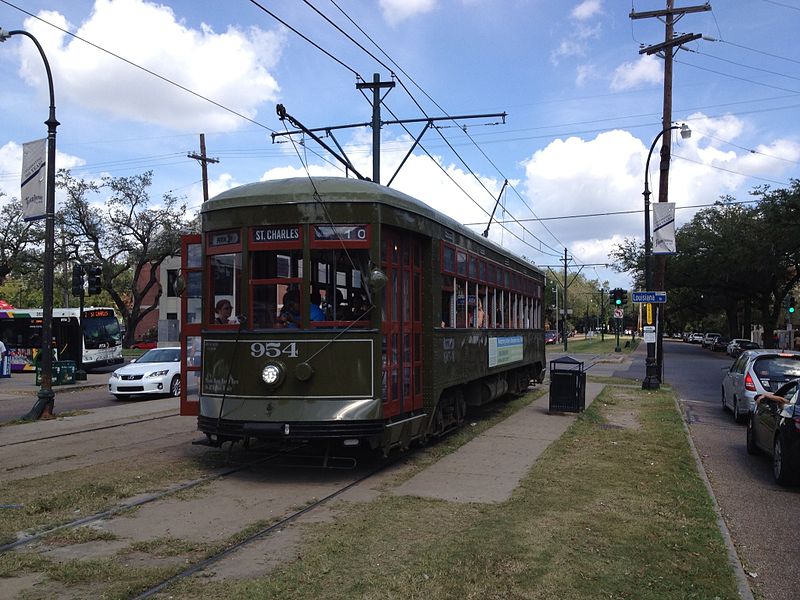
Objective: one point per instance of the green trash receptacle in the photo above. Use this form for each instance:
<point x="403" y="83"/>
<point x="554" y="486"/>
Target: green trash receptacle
<point x="63" y="372"/>
<point x="66" y="372"/>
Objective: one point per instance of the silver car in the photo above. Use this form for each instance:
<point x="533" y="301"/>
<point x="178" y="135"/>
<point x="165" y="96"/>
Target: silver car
<point x="756" y="372"/>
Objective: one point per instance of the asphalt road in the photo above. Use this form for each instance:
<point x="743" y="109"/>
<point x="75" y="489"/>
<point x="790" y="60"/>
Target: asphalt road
<point x="68" y="398"/>
<point x="761" y="516"/>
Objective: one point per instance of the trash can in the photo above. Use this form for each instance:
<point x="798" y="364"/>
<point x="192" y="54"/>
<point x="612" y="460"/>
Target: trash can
<point x="567" y="385"/>
<point x="63" y="372"/>
<point x="66" y="372"/>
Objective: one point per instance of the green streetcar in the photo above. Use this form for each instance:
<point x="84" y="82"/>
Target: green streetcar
<point x="361" y="317"/>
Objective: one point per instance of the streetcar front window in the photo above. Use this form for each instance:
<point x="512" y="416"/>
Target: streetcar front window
<point x="226" y="281"/>
<point x="340" y="277"/>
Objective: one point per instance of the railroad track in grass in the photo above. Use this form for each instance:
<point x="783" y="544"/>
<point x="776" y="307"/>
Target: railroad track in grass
<point x="88" y="430"/>
<point x="264" y="532"/>
<point x="133" y="504"/>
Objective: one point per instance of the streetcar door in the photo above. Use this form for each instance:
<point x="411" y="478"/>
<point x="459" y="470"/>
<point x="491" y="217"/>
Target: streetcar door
<point x="191" y="323"/>
<point x="401" y="260"/>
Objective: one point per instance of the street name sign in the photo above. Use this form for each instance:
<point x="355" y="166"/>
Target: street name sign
<point x="653" y="297"/>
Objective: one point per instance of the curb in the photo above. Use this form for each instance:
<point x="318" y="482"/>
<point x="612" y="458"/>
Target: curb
<point x="745" y="593"/>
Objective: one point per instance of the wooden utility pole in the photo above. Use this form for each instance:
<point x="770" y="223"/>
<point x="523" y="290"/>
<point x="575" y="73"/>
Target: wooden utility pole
<point x="204" y="160"/>
<point x="666" y="49"/>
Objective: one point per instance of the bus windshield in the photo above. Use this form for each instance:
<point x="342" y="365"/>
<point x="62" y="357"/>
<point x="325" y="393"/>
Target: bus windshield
<point x="101" y="332"/>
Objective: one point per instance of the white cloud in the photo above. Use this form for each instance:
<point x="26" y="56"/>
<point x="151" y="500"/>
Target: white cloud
<point x="567" y="48"/>
<point x="585" y="73"/>
<point x="395" y="11"/>
<point x="586" y="9"/>
<point x="216" y="65"/>
<point x="630" y="75"/>
<point x="575" y="44"/>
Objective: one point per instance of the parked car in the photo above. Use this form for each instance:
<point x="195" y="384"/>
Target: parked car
<point x="737" y="345"/>
<point x="157" y="371"/>
<point x="756" y="372"/>
<point x="550" y="337"/>
<point x="145" y="345"/>
<point x="774" y="428"/>
<point x="696" y="338"/>
<point x="720" y="344"/>
<point x="708" y="339"/>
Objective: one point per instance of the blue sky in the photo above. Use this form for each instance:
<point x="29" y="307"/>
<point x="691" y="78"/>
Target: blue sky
<point x="583" y="106"/>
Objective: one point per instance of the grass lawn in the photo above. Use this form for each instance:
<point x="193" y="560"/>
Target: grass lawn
<point x="608" y="511"/>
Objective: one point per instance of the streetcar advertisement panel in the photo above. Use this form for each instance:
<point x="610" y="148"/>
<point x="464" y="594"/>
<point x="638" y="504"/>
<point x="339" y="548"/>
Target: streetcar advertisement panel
<point x="505" y="350"/>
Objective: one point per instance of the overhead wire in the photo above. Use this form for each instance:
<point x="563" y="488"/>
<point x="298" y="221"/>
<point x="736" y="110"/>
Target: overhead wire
<point x="437" y="129"/>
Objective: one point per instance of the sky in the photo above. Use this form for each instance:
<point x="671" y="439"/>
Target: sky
<point x="137" y="82"/>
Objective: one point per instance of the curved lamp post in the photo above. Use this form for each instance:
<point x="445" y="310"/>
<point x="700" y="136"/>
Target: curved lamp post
<point x="45" y="396"/>
<point x="651" y="380"/>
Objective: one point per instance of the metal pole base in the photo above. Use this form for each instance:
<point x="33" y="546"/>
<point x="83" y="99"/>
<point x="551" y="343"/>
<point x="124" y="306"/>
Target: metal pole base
<point x="651" y="381"/>
<point x="43" y="409"/>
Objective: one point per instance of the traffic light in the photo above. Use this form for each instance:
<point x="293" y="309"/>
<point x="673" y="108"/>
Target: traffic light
<point x="95" y="275"/>
<point x="791" y="305"/>
<point x="623" y="296"/>
<point x="77" y="280"/>
<point x="616" y="297"/>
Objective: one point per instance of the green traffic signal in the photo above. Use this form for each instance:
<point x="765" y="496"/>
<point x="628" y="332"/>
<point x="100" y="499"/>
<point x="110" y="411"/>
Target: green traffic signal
<point x="618" y="301"/>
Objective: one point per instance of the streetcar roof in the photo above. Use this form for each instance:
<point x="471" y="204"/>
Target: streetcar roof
<point x="299" y="190"/>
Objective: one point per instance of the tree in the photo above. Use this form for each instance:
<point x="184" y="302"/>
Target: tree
<point x="731" y="258"/>
<point x="20" y="241"/>
<point x="125" y="235"/>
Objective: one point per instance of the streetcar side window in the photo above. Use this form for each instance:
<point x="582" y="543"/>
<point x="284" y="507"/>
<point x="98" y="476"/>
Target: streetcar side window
<point x="340" y="278"/>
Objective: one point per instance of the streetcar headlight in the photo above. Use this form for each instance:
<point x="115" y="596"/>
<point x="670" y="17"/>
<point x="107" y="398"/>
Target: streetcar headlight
<point x="272" y="373"/>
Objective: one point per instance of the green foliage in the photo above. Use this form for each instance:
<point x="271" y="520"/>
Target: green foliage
<point x="735" y="262"/>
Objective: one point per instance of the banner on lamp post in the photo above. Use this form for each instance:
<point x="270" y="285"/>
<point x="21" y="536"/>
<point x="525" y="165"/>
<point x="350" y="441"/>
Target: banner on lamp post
<point x="664" y="228"/>
<point x="34" y="185"/>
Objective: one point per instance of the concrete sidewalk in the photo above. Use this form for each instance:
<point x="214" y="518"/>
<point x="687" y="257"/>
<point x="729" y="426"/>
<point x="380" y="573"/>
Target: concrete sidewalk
<point x="489" y="467"/>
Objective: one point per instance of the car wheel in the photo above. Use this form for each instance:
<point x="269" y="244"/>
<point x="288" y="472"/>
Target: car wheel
<point x="781" y="469"/>
<point x="752" y="448"/>
<point x="175" y="386"/>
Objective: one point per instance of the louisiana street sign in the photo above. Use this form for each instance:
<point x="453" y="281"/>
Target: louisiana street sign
<point x="653" y="297"/>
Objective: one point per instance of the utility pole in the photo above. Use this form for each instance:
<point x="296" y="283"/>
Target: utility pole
<point x="376" y="86"/>
<point x="204" y="160"/>
<point x="666" y="49"/>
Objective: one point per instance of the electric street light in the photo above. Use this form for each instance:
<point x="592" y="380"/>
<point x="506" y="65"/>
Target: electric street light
<point x="651" y="380"/>
<point x="45" y="396"/>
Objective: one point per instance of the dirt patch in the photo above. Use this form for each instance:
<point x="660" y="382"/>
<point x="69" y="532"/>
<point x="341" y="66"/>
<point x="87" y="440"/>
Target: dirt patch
<point x="622" y="418"/>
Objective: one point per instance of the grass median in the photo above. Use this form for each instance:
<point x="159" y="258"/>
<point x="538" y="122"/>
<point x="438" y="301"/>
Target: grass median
<point x="614" y="509"/>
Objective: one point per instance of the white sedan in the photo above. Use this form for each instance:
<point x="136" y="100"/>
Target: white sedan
<point x="157" y="371"/>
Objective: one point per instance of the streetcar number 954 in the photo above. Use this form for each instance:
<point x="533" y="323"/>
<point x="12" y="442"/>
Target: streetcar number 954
<point x="273" y="349"/>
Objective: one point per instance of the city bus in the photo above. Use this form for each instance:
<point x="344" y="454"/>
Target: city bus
<point x="100" y="344"/>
